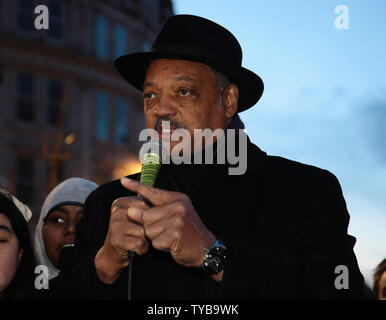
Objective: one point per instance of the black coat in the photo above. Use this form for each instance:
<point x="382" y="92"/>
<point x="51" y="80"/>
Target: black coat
<point x="284" y="223"/>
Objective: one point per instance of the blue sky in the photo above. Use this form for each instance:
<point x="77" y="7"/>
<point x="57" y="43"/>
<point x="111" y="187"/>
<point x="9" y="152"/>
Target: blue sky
<point x="325" y="96"/>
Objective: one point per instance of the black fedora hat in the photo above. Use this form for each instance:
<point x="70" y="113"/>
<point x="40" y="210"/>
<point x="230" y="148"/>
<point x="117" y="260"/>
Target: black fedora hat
<point x="193" y="38"/>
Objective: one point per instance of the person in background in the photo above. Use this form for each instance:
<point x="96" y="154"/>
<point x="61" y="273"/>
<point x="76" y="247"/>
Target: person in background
<point x="380" y="281"/>
<point x="61" y="211"/>
<point x="17" y="261"/>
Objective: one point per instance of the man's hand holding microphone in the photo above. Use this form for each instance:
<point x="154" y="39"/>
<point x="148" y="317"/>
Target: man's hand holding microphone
<point x="171" y="224"/>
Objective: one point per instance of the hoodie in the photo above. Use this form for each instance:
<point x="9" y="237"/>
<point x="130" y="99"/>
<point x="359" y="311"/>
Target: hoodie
<point x="73" y="191"/>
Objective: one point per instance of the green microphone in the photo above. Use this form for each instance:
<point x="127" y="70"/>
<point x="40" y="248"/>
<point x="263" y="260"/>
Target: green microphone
<point x="151" y="162"/>
<point x="150" y="167"/>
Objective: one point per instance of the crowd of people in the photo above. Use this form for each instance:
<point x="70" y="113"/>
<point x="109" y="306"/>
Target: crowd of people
<point x="21" y="253"/>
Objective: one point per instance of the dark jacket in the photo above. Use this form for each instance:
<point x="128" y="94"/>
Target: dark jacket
<point x="284" y="223"/>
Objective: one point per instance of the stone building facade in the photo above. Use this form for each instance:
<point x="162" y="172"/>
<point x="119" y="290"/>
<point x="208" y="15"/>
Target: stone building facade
<point x="65" y="111"/>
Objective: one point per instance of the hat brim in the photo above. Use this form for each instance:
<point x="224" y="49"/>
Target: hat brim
<point x="133" y="67"/>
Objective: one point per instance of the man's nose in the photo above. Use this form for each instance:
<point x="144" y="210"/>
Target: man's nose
<point x="166" y="107"/>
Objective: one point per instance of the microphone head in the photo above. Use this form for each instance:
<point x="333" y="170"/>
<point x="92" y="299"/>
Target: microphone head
<point x="151" y="158"/>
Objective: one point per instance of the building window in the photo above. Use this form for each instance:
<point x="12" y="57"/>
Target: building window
<point x="56" y="20"/>
<point x="121" y="121"/>
<point x="101" y="37"/>
<point x="25" y="97"/>
<point x="24" y="182"/>
<point x="102" y="116"/>
<point x="55" y="89"/>
<point x="25" y="15"/>
<point x="120" y="41"/>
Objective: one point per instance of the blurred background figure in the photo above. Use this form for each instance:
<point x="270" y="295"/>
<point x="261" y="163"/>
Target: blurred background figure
<point x="61" y="211"/>
<point x="380" y="281"/>
<point x="17" y="262"/>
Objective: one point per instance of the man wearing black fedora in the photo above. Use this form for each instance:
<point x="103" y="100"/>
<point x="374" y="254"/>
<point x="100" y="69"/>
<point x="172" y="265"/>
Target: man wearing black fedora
<point x="277" y="231"/>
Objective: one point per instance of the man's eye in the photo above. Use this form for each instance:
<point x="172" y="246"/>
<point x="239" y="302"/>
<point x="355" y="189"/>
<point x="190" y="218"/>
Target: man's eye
<point x="149" y="95"/>
<point x="184" y="92"/>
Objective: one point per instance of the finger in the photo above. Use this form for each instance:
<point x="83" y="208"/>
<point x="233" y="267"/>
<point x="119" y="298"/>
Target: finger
<point x="134" y="201"/>
<point x="167" y="241"/>
<point x="135" y="214"/>
<point x="134" y="244"/>
<point x="133" y="229"/>
<point x="123" y="218"/>
<point x="154" y="214"/>
<point x="119" y="215"/>
<point x="154" y="195"/>
<point x="153" y="230"/>
<point x="159" y="220"/>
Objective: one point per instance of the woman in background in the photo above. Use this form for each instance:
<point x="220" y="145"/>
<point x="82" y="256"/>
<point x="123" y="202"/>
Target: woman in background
<point x="61" y="211"/>
<point x="17" y="262"/>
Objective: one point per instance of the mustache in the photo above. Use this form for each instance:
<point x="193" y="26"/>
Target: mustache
<point x="172" y="123"/>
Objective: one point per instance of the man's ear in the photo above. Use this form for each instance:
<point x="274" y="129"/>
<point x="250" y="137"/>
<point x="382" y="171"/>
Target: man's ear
<point x="230" y="100"/>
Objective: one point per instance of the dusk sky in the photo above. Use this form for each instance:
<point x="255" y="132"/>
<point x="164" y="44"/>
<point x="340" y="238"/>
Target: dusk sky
<point x="324" y="102"/>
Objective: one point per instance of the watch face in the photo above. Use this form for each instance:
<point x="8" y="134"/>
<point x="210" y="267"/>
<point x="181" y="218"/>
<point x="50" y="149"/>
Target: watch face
<point x="215" y="259"/>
